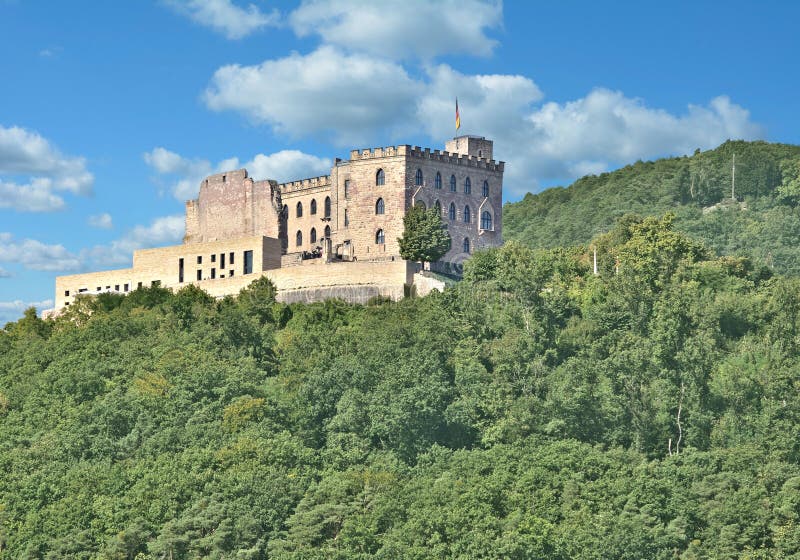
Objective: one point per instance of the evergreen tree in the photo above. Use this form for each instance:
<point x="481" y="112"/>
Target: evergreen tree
<point x="425" y="237"/>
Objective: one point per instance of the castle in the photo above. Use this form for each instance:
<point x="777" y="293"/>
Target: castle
<point x="323" y="237"/>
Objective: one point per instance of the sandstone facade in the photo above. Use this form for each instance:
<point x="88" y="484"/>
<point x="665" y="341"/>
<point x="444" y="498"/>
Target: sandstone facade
<point x="239" y="229"/>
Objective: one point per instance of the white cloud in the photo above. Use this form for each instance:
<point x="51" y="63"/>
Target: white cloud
<point x="187" y="174"/>
<point x="25" y="153"/>
<point x="166" y="230"/>
<point x="35" y="255"/>
<point x="34" y="197"/>
<point x="401" y="28"/>
<point x="349" y="96"/>
<point x="225" y="17"/>
<point x="101" y="221"/>
<point x="13" y="310"/>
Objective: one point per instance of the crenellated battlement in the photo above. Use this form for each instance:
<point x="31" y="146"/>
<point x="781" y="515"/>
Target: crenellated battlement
<point x="372" y="153"/>
<point x="457" y="159"/>
<point x="323" y="181"/>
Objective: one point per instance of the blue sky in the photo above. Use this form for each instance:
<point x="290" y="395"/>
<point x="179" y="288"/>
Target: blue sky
<point x="112" y="112"/>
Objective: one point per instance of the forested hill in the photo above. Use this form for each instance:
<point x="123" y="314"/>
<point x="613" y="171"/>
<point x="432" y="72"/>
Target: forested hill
<point x="534" y="411"/>
<point x="764" y="226"/>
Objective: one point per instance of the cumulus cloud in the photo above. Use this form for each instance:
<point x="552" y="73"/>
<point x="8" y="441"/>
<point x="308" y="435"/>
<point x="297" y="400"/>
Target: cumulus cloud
<point x="13" y="310"/>
<point x="166" y="230"/>
<point x="346" y="96"/>
<point x="225" y="17"/>
<point x="101" y="221"/>
<point x="43" y="170"/>
<point x="35" y="255"/>
<point x="186" y="174"/>
<point x="402" y="28"/>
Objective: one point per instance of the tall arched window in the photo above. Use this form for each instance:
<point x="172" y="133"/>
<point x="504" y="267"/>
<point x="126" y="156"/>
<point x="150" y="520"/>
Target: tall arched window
<point x="418" y="178"/>
<point x="380" y="177"/>
<point x="313" y="235"/>
<point x="379" y="206"/>
<point x="313" y="209"/>
<point x="327" y="207"/>
<point x="285" y="210"/>
<point x="451" y="212"/>
<point x="486" y="188"/>
<point x="346" y="218"/>
<point x="486" y="220"/>
<point x="438" y="181"/>
<point x="452" y="183"/>
<point x="299" y="209"/>
<point x="298" y="239"/>
<point x="467" y="186"/>
<point x="438" y="206"/>
<point x="466" y="244"/>
<point x="380" y="238"/>
<point x="327" y="232"/>
<point x="467" y="215"/>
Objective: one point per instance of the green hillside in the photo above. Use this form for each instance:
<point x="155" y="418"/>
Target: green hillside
<point x="764" y="226"/>
<point x="532" y="411"/>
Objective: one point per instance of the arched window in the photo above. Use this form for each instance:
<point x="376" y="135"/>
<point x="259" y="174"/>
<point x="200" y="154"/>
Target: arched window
<point x="467" y="215"/>
<point x="346" y="218"/>
<point x="438" y="181"/>
<point x="285" y="210"/>
<point x="466" y="244"/>
<point x="379" y="206"/>
<point x="486" y="220"/>
<point x="422" y="205"/>
<point x="452" y="183"/>
<point x="380" y="238"/>
<point x="380" y="177"/>
<point x="486" y="188"/>
<point x="327" y="232"/>
<point x="451" y="212"/>
<point x="467" y="186"/>
<point x="313" y="235"/>
<point x="313" y="207"/>
<point x="298" y="240"/>
<point x="327" y="207"/>
<point x="438" y="206"/>
<point x="418" y="178"/>
<point x="299" y="209"/>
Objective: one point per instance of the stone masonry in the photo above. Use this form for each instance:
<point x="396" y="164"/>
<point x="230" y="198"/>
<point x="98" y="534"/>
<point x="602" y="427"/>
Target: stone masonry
<point x="239" y="229"/>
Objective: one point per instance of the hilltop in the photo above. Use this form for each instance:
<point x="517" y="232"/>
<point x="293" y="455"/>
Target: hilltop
<point x="763" y="223"/>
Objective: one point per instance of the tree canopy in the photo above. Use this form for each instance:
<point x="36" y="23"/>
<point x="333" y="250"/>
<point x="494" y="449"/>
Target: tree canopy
<point x="425" y="237"/>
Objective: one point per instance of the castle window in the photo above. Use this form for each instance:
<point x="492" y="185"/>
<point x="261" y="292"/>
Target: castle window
<point x="299" y="209"/>
<point x="180" y="272"/>
<point x="199" y="259"/>
<point x="230" y="258"/>
<point x="230" y="273"/>
<point x="466" y="244"/>
<point x="116" y="287"/>
<point x="486" y="220"/>
<point x="327" y="232"/>
<point x="452" y="183"/>
<point x="467" y="215"/>
<point x="327" y="207"/>
<point x="213" y="258"/>
<point x="346" y="219"/>
<point x="418" y="178"/>
<point x="486" y="189"/>
<point x="248" y="262"/>
<point x="313" y="206"/>
<point x="298" y="239"/>
<point x="380" y="238"/>
<point x="224" y="178"/>
<point x="438" y="206"/>
<point x="222" y="260"/>
<point x="213" y="273"/>
<point x="346" y="188"/>
<point x="380" y="178"/>
<point x="467" y="186"/>
<point x="313" y="235"/>
<point x="66" y="293"/>
<point x="127" y="287"/>
<point x="421" y="205"/>
<point x="285" y="213"/>
<point x="199" y="276"/>
<point x="379" y="206"/>
<point x="437" y="183"/>
<point x="451" y="212"/>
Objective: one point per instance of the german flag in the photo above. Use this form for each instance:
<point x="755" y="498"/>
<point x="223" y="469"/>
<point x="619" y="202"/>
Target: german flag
<point x="458" y="117"/>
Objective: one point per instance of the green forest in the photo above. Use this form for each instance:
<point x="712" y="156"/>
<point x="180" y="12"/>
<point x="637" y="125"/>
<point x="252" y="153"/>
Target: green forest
<point x="534" y="410"/>
<point x="762" y="223"/>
